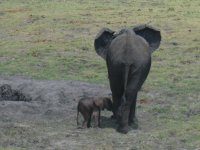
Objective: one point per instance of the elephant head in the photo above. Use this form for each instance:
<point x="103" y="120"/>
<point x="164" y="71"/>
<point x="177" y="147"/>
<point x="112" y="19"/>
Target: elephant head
<point x="103" y="103"/>
<point x="105" y="37"/>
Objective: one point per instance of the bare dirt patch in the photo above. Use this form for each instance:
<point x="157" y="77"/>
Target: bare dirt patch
<point x="50" y="97"/>
<point x="47" y="121"/>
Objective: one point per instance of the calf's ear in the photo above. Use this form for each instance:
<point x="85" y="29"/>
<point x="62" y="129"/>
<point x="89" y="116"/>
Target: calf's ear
<point x="102" y="41"/>
<point x="150" y="34"/>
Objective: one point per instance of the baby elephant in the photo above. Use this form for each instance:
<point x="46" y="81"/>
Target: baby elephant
<point x="91" y="107"/>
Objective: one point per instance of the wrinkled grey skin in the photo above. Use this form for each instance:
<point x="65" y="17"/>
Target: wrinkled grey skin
<point x="128" y="58"/>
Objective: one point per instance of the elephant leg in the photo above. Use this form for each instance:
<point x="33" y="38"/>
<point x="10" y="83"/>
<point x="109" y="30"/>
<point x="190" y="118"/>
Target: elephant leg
<point x="86" y="119"/>
<point x="117" y="91"/>
<point x="115" y="75"/>
<point x="123" y="116"/>
<point x="116" y="104"/>
<point x="116" y="86"/>
<point x="132" y="120"/>
<point x="137" y="82"/>
<point x="84" y="125"/>
<point x="99" y="118"/>
<point x="96" y="119"/>
<point x="89" y="120"/>
<point x="128" y="112"/>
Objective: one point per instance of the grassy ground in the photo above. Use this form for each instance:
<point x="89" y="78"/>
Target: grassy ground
<point x="54" y="40"/>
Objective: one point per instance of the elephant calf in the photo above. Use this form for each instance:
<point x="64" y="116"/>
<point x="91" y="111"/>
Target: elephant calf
<point x="91" y="108"/>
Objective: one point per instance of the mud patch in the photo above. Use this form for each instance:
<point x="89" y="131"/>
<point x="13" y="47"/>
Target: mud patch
<point x="9" y="94"/>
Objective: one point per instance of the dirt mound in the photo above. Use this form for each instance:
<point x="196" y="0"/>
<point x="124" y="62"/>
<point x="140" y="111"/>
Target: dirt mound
<point x="9" y="94"/>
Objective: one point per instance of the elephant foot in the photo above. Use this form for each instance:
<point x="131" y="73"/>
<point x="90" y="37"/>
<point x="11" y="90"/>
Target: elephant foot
<point x="123" y="130"/>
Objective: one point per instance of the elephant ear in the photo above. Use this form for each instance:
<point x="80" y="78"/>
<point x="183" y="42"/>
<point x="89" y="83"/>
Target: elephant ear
<point x="150" y="34"/>
<point x="102" y="41"/>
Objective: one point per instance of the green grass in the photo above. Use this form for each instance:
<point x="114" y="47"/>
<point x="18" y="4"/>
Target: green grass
<point x="54" y="40"/>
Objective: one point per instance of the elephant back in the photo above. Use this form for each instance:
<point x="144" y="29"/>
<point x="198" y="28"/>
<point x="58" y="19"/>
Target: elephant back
<point x="128" y="48"/>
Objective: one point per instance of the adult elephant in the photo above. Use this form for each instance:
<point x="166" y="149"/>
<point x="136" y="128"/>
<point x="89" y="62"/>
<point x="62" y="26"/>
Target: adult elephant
<point x="128" y="58"/>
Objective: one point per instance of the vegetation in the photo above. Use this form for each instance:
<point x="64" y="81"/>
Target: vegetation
<point x="54" y="40"/>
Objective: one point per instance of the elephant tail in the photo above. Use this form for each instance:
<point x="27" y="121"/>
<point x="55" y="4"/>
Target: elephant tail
<point x="126" y="72"/>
